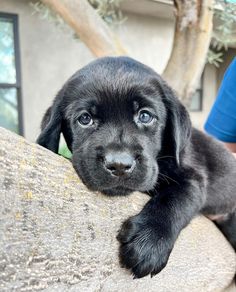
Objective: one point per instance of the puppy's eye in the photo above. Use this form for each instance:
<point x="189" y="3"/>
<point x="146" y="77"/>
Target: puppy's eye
<point x="145" y="117"/>
<point x="85" y="119"/>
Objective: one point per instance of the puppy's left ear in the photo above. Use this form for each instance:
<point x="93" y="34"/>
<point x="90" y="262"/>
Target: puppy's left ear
<point x="53" y="124"/>
<point x="178" y="125"/>
<point x="50" y="129"/>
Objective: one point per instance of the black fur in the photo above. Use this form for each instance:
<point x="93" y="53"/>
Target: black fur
<point x="183" y="170"/>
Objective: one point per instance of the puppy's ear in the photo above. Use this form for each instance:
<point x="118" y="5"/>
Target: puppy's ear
<point x="52" y="124"/>
<point x="178" y="124"/>
<point x="50" y="129"/>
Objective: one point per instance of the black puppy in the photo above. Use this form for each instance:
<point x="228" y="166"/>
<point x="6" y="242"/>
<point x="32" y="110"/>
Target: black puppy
<point x="128" y="132"/>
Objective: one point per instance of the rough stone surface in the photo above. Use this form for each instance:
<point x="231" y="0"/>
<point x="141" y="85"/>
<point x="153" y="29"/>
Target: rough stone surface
<point x="58" y="236"/>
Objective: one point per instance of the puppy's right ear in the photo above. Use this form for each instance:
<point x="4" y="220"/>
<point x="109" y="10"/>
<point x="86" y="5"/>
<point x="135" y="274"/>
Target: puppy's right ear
<point x="51" y="126"/>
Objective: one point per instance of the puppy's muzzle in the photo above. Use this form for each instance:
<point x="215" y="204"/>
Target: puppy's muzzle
<point x="119" y="163"/>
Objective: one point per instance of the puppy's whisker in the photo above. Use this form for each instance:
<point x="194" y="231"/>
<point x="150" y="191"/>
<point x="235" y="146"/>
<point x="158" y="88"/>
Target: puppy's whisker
<point x="161" y="157"/>
<point x="164" y="178"/>
<point x="148" y="192"/>
<point x="168" y="177"/>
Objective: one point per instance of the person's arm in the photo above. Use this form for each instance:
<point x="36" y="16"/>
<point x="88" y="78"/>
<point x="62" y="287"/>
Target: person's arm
<point x="231" y="147"/>
<point x="221" y="122"/>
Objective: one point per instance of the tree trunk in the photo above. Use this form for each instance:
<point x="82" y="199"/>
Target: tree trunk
<point x="58" y="236"/>
<point x="193" y="30"/>
<point x="88" y="25"/>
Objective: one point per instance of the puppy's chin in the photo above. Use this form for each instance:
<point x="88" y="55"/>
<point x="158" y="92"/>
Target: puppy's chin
<point x="117" y="191"/>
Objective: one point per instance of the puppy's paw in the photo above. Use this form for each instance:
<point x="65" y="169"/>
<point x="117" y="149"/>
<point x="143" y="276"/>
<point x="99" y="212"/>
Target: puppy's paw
<point x="144" y="246"/>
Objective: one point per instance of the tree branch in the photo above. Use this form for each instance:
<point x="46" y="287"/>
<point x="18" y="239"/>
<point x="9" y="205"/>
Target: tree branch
<point x="57" y="235"/>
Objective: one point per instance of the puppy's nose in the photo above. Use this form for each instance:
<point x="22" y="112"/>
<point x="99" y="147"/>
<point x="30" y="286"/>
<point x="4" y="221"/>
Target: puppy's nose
<point x="119" y="163"/>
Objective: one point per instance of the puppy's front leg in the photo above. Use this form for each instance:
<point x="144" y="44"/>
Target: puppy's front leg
<point x="147" y="239"/>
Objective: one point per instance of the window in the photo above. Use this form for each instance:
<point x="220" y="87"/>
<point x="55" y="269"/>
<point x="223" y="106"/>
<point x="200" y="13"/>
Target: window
<point x="196" y="101"/>
<point x="10" y="83"/>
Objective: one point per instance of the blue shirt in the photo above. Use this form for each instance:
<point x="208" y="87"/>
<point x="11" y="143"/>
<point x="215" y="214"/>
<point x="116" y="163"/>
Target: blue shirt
<point x="221" y="122"/>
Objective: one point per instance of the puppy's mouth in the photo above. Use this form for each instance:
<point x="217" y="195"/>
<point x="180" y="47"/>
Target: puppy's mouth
<point x="119" y="186"/>
<point x="117" y="191"/>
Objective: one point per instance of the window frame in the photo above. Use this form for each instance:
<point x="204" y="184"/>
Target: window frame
<point x="17" y="85"/>
<point x="200" y="90"/>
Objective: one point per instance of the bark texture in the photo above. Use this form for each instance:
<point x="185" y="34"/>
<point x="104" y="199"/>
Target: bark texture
<point x="193" y="28"/>
<point x="88" y="25"/>
<point x="58" y="236"/>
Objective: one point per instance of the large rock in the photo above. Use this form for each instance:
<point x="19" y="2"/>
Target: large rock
<point x="58" y="236"/>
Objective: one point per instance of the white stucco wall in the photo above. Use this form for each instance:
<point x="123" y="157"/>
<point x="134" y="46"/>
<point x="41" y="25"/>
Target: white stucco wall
<point x="148" y="39"/>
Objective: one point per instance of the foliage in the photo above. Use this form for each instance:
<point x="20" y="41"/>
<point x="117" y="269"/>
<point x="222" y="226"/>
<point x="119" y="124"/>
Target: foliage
<point x="64" y="151"/>
<point x="107" y="9"/>
<point x="8" y="109"/>
<point x="223" y="35"/>
<point x="214" y="57"/>
<point x="227" y="17"/>
<point x="8" y="96"/>
<point x="7" y="56"/>
<point x="45" y="13"/>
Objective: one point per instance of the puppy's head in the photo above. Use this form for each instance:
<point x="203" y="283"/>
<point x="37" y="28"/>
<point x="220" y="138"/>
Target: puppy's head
<point x="117" y="116"/>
